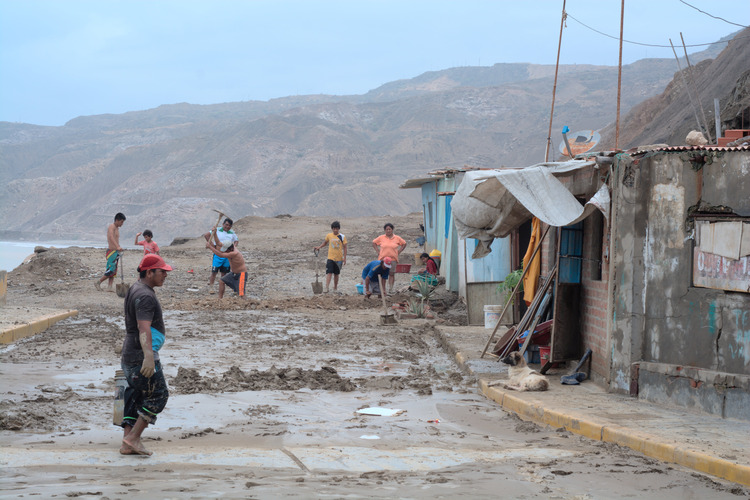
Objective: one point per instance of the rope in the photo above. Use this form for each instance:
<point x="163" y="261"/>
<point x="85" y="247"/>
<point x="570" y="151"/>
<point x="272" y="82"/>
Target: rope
<point x="715" y="17"/>
<point x="648" y="44"/>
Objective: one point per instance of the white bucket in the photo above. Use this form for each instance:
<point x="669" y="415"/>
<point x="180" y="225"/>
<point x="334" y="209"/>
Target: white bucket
<point x="492" y="315"/>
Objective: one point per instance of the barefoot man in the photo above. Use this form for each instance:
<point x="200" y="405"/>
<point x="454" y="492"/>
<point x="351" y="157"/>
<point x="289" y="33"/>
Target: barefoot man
<point x="237" y="277"/>
<point x="113" y="251"/>
<point x="147" y="393"/>
<point x="221" y="238"/>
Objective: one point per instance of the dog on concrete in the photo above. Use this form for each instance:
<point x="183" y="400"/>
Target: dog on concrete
<point x="520" y="376"/>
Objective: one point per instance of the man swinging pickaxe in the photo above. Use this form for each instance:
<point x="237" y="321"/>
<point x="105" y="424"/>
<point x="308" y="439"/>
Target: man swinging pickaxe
<point x="222" y="239"/>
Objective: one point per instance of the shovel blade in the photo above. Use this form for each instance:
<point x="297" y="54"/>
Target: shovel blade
<point x="122" y="289"/>
<point x="317" y="287"/>
<point x="388" y="319"/>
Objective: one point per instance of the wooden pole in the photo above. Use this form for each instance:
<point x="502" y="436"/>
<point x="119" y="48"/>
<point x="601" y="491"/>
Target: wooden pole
<point x="526" y="269"/>
<point x="685" y="83"/>
<point x="717" y="119"/>
<point x="695" y="91"/>
<point x="554" y="88"/>
<point x="619" y="77"/>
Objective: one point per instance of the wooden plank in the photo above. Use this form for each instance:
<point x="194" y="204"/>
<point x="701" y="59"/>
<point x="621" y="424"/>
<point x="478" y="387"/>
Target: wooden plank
<point x="513" y="294"/>
<point x="566" y="331"/>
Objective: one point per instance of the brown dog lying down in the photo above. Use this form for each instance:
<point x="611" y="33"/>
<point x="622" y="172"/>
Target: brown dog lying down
<point x="520" y="376"/>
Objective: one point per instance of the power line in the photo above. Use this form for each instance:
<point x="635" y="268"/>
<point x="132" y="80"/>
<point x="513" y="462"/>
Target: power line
<point x="646" y="44"/>
<point x="715" y="17"/>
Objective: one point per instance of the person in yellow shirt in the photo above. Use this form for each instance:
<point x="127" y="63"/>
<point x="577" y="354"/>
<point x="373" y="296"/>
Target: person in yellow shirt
<point x="336" y="255"/>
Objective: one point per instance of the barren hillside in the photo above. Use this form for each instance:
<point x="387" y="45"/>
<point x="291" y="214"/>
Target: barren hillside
<point x="166" y="168"/>
<point x="669" y="116"/>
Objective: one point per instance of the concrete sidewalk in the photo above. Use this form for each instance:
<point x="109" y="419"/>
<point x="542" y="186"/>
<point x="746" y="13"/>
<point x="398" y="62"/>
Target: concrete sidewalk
<point x="702" y="442"/>
<point x="17" y="322"/>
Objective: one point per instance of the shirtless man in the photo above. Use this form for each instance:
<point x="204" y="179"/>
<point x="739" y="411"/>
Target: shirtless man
<point x="221" y="238"/>
<point x="113" y="252"/>
<point x="237" y="276"/>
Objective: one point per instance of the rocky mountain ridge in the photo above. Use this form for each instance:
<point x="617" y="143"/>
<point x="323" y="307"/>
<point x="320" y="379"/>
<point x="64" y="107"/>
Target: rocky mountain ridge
<point x="167" y="167"/>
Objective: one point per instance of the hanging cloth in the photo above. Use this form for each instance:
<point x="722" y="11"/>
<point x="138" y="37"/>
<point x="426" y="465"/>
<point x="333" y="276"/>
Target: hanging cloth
<point x="531" y="280"/>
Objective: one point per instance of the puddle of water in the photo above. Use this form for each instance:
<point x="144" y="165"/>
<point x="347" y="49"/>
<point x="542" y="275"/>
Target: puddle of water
<point x="82" y="321"/>
<point x="346" y="458"/>
<point x="395" y="369"/>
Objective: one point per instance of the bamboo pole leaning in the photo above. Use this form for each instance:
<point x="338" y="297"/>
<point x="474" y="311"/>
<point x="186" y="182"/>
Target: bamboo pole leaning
<point x="513" y="293"/>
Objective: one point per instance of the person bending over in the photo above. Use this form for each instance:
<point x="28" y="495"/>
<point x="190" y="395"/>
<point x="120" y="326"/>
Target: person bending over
<point x="237" y="276"/>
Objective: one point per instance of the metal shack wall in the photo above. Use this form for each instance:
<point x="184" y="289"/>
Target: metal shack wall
<point x="429" y="213"/>
<point x="438" y="226"/>
<point x="662" y="324"/>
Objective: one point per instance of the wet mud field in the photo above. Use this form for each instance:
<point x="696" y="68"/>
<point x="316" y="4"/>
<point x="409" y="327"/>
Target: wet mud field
<point x="270" y="396"/>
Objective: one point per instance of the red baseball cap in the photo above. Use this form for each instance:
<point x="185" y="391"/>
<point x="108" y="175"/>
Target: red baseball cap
<point x="387" y="262"/>
<point x="153" y="261"/>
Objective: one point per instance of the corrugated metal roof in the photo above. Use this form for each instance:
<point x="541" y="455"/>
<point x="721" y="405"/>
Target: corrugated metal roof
<point x="692" y="148"/>
<point x="452" y="171"/>
<point x="437" y="175"/>
<point x="415" y="183"/>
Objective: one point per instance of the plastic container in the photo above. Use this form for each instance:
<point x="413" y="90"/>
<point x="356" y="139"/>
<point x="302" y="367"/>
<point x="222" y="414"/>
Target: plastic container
<point x="121" y="383"/>
<point x="544" y="352"/>
<point x="360" y="288"/>
<point x="436" y="256"/>
<point x="403" y="268"/>
<point x="492" y="315"/>
<point x="532" y="353"/>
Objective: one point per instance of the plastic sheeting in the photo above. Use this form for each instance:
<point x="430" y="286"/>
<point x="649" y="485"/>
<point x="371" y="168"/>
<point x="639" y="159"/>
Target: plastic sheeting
<point x="491" y="204"/>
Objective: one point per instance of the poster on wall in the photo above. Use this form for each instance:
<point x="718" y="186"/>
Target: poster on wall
<point x="721" y="257"/>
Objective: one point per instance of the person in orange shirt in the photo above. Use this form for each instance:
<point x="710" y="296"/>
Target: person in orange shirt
<point x="389" y="245"/>
<point x="149" y="245"/>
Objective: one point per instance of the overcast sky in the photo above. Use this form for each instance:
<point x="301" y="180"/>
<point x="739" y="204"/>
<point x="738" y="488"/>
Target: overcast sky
<point x="63" y="59"/>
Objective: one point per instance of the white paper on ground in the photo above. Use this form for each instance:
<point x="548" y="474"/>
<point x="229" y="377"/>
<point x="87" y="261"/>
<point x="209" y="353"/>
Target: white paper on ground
<point x="380" y="412"/>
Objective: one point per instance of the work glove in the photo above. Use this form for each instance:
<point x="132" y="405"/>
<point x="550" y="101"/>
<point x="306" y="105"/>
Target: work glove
<point x="148" y="368"/>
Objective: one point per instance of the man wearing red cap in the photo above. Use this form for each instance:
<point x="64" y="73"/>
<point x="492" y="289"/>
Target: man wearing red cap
<point x="147" y="392"/>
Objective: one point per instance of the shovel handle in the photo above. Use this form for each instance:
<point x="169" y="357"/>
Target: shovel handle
<point x="381" y="281"/>
<point x="583" y="360"/>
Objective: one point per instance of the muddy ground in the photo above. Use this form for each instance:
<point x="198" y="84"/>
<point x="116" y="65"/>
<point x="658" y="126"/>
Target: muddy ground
<point x="265" y="390"/>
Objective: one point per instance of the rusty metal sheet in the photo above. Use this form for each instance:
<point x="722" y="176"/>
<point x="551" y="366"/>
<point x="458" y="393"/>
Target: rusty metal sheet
<point x="722" y="273"/>
<point x="580" y="142"/>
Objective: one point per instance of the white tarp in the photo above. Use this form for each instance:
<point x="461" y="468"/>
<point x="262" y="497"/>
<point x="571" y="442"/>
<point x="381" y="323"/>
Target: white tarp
<point x="491" y="204"/>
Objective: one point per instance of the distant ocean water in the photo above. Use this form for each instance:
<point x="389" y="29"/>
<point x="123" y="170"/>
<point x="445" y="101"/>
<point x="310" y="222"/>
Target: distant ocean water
<point x="13" y="253"/>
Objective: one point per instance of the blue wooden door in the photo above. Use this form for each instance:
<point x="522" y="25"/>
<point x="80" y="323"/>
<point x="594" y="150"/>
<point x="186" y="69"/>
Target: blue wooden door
<point x="571" y="253"/>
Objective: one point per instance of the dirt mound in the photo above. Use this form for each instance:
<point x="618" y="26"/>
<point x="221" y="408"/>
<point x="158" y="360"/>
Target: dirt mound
<point x="47" y="412"/>
<point x="232" y="303"/>
<point x="189" y="381"/>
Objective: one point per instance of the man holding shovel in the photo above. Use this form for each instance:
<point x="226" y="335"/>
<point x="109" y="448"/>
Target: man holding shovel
<point x="336" y="254"/>
<point x="113" y="252"/>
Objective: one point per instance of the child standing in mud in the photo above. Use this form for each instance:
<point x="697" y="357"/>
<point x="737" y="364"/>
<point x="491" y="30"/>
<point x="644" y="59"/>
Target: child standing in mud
<point x="336" y="255"/>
